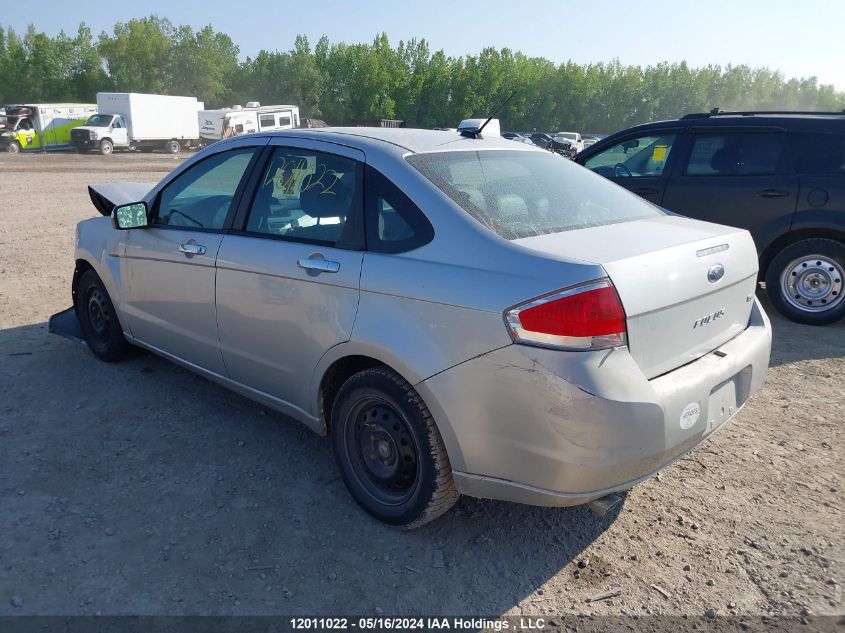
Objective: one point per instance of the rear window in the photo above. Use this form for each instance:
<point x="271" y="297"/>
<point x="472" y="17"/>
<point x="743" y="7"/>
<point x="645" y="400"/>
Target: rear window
<point x="521" y="194"/>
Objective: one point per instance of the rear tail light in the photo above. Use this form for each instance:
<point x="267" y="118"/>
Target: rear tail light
<point x="584" y="317"/>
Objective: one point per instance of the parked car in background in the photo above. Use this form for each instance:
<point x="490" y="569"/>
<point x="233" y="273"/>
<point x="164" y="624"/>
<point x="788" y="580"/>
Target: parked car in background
<point x="781" y="175"/>
<point x="43" y="126"/>
<point x="253" y="117"/>
<point x="146" y="122"/>
<point x="562" y="146"/>
<point x="459" y="315"/>
<point x="540" y="139"/>
<point x="574" y="139"/>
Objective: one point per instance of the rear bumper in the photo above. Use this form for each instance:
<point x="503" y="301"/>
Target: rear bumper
<point x="557" y="428"/>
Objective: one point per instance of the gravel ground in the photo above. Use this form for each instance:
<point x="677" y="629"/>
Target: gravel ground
<point x="140" y="488"/>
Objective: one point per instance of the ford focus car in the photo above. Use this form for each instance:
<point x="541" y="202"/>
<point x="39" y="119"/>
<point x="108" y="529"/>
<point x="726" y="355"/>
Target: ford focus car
<point x="458" y="314"/>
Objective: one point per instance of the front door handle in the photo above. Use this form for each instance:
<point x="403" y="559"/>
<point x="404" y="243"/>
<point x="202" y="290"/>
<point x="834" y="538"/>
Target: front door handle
<point x="318" y="265"/>
<point x="645" y="191"/>
<point x="773" y="193"/>
<point x="192" y="248"/>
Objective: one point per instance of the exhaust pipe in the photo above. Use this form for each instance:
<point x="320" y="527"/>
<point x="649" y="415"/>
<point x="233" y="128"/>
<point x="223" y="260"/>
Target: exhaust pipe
<point x="601" y="506"/>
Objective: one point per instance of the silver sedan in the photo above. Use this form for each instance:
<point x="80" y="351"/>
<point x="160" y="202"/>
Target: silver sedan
<point x="459" y="315"/>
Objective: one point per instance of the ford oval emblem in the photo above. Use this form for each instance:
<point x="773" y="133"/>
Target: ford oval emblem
<point x="715" y="273"/>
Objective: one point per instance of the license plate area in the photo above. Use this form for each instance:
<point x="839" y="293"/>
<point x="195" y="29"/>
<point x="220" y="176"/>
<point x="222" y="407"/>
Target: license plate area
<point x="727" y="397"/>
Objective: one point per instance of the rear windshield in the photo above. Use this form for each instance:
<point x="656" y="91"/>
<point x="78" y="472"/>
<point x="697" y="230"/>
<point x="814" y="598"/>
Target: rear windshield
<point x="520" y="194"/>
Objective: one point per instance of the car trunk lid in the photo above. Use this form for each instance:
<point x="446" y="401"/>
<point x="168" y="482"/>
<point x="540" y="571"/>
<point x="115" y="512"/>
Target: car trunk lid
<point x="687" y="286"/>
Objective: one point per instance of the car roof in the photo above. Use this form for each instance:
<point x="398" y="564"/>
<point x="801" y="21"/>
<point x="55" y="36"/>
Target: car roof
<point x="790" y="121"/>
<point x="409" y="139"/>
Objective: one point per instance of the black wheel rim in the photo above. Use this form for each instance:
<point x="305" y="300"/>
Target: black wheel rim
<point x="99" y="316"/>
<point x="382" y="452"/>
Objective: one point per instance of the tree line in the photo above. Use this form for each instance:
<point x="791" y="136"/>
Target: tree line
<point x="353" y="83"/>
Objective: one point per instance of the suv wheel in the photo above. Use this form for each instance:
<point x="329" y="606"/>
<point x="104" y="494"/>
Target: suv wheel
<point x="389" y="451"/>
<point x="806" y="280"/>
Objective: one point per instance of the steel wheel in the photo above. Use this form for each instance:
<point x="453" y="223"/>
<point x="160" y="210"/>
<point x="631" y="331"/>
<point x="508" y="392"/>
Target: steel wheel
<point x="382" y="451"/>
<point x="812" y="283"/>
<point x="98" y="320"/>
<point x="99" y="314"/>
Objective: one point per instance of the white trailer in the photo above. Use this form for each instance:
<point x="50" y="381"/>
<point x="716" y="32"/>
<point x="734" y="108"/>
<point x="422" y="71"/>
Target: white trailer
<point x="227" y="122"/>
<point x="140" y="121"/>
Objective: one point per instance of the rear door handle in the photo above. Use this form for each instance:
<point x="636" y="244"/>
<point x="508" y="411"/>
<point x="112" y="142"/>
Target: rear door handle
<point x="318" y="265"/>
<point x="645" y="191"/>
<point x="773" y="193"/>
<point x="192" y="248"/>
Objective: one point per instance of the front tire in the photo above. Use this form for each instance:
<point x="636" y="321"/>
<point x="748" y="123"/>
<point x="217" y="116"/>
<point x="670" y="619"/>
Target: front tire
<point x="98" y="319"/>
<point x="106" y="147"/>
<point x="14" y="148"/>
<point x="389" y="451"/>
<point x="806" y="281"/>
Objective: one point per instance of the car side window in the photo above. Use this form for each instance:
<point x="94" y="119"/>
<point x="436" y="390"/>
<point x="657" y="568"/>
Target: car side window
<point x="817" y="154"/>
<point x="394" y="223"/>
<point x="309" y="196"/>
<point x="736" y="154"/>
<point x="201" y="196"/>
<point x="644" y="156"/>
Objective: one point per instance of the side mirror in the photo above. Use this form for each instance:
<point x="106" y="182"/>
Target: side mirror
<point x="631" y="144"/>
<point x="131" y="216"/>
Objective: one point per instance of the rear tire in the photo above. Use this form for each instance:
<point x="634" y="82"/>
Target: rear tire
<point x="106" y="147"/>
<point x="172" y="147"/>
<point x="388" y="449"/>
<point x="98" y="319"/>
<point x="806" y="281"/>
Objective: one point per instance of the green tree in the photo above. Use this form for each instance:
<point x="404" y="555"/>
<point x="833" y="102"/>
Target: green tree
<point x="138" y="54"/>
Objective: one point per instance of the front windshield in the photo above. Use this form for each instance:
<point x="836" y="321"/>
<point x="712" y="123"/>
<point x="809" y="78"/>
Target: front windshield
<point x="521" y="193"/>
<point x="100" y="120"/>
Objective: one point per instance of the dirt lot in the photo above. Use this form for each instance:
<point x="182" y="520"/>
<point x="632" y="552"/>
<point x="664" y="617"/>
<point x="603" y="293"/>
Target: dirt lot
<point x="141" y="488"/>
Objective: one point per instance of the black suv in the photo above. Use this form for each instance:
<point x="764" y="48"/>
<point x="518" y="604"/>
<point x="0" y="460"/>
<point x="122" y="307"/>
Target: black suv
<point x="781" y="175"/>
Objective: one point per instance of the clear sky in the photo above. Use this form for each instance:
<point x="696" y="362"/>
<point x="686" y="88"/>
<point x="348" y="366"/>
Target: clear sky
<point x="801" y="38"/>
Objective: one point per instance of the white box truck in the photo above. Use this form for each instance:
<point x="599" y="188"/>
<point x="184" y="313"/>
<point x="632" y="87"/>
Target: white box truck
<point x="131" y="120"/>
<point x="254" y="117"/>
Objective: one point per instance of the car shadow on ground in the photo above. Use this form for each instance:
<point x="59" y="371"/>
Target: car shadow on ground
<point x="138" y="487"/>
<point x="794" y="342"/>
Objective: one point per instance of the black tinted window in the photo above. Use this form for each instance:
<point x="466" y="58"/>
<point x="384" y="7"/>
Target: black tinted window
<point x="741" y="154"/>
<point x="309" y="196"/>
<point x="819" y="153"/>
<point x="394" y="223"/>
<point x="201" y="196"/>
<point x="267" y="120"/>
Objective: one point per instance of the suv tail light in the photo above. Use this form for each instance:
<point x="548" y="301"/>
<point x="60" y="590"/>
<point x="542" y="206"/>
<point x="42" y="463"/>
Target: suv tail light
<point x="584" y="317"/>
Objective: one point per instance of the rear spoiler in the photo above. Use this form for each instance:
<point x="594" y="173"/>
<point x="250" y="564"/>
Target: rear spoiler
<point x="109" y="195"/>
